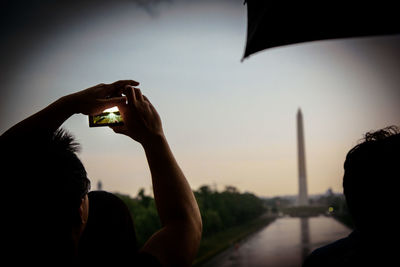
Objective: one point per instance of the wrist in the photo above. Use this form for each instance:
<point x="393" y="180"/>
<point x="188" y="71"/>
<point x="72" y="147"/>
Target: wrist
<point x="154" y="140"/>
<point x="68" y="104"/>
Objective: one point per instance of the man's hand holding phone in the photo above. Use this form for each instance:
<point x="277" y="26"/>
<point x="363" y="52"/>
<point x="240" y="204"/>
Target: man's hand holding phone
<point x="96" y="99"/>
<point x="141" y="120"/>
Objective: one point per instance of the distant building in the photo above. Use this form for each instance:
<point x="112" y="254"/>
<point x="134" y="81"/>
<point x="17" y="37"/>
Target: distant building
<point x="329" y="192"/>
<point x="303" y="195"/>
<point x="99" y="185"/>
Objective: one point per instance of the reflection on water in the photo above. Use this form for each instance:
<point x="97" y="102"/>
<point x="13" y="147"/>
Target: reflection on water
<point x="285" y="242"/>
<point x="305" y="237"/>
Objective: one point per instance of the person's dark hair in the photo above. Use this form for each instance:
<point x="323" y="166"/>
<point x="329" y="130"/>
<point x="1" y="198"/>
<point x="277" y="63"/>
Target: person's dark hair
<point x="68" y="173"/>
<point x="372" y="169"/>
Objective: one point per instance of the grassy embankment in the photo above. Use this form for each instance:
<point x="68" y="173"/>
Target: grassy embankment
<point x="212" y="245"/>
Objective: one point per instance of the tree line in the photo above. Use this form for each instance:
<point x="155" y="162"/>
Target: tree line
<point x="219" y="210"/>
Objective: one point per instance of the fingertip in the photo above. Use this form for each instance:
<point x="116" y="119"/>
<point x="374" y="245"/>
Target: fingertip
<point x="123" y="82"/>
<point x="130" y="94"/>
<point x="128" y="89"/>
<point x="131" y="83"/>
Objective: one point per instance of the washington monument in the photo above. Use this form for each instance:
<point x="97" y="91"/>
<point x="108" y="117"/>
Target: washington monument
<point x="303" y="196"/>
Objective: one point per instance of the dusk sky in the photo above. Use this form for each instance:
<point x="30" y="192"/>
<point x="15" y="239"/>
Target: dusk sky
<point x="228" y="122"/>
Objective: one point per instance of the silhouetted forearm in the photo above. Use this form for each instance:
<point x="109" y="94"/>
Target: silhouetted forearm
<point x="92" y="100"/>
<point x="177" y="242"/>
<point x="173" y="195"/>
<point x="43" y="122"/>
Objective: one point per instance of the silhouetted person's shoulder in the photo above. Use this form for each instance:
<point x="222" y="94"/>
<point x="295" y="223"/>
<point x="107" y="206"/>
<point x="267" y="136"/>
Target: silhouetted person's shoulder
<point x="356" y="250"/>
<point x="343" y="252"/>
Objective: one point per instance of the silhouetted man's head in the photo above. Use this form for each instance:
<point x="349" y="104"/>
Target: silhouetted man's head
<point x="67" y="178"/>
<point x="372" y="171"/>
<point x="49" y="186"/>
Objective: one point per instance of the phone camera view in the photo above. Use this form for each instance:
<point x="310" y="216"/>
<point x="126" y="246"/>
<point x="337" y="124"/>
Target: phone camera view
<point x="109" y="117"/>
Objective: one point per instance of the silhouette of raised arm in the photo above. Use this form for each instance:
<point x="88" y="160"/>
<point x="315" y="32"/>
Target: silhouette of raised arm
<point x="177" y="242"/>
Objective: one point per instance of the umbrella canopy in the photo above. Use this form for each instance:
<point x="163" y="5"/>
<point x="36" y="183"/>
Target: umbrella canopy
<point x="277" y="23"/>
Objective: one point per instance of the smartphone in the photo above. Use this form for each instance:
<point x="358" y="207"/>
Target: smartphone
<point x="109" y="117"/>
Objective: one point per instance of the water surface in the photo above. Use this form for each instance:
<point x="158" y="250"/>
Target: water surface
<point x="285" y="242"/>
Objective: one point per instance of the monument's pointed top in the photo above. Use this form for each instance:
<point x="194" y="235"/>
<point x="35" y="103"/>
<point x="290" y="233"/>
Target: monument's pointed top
<point x="299" y="111"/>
